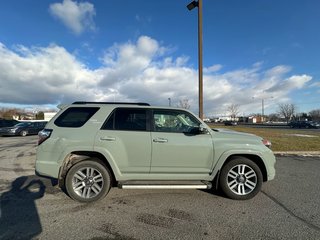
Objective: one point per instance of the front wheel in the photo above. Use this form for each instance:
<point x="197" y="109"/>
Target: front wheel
<point x="240" y="179"/>
<point x="88" y="181"/>
<point x="23" y="133"/>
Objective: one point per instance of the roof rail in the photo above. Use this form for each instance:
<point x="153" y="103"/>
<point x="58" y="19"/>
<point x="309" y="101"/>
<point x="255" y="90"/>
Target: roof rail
<point x="62" y="106"/>
<point x="116" y="103"/>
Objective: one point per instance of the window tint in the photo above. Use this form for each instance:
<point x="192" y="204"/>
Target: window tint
<point x="7" y="123"/>
<point x="174" y="121"/>
<point x="43" y="124"/>
<point x="75" y="117"/>
<point x="24" y="124"/>
<point x="127" y="119"/>
<point x="39" y="124"/>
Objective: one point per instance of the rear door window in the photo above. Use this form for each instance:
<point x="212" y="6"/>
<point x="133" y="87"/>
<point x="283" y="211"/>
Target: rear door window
<point x="127" y="119"/>
<point x="75" y="117"/>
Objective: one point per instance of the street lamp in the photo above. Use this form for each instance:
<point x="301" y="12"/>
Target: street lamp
<point x="191" y="6"/>
<point x="114" y="92"/>
<point x="262" y="107"/>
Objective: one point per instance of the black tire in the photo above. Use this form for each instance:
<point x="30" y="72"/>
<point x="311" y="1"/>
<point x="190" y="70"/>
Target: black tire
<point x="240" y="179"/>
<point x="23" y="133"/>
<point x="88" y="181"/>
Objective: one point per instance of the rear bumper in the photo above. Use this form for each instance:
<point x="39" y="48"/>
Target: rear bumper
<point x="45" y="166"/>
<point x="47" y="169"/>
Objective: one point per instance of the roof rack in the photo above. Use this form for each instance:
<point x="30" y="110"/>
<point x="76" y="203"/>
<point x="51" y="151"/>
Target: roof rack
<point x="115" y="103"/>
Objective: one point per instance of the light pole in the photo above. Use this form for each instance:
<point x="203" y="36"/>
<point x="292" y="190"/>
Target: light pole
<point x="191" y="6"/>
<point x="114" y="91"/>
<point x="262" y="108"/>
<point x="169" y="99"/>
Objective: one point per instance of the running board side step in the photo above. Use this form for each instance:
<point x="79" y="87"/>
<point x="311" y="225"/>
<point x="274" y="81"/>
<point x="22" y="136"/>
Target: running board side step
<point x="165" y="185"/>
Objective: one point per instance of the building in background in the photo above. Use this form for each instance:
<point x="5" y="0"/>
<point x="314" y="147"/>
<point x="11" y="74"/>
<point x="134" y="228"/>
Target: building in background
<point x="49" y="115"/>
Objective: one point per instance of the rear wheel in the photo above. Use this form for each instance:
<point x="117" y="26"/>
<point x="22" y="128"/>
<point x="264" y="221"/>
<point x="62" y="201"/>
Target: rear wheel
<point x="88" y="181"/>
<point x="241" y="179"/>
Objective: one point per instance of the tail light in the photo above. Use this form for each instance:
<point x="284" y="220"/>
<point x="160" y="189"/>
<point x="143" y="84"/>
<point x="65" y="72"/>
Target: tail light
<point x="267" y="143"/>
<point x="44" y="135"/>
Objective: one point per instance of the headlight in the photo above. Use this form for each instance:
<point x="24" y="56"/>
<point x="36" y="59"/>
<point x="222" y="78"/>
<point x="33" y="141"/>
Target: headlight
<point x="266" y="142"/>
<point x="13" y="130"/>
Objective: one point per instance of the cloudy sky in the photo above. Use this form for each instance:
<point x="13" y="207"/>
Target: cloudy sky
<point x="60" y="51"/>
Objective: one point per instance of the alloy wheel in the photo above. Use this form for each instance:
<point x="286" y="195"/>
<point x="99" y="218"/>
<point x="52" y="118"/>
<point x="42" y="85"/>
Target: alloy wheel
<point x="242" y="179"/>
<point x="87" y="182"/>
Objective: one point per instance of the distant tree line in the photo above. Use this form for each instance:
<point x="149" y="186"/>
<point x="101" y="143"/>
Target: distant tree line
<point x="286" y="112"/>
<point x="289" y="112"/>
<point x="20" y="114"/>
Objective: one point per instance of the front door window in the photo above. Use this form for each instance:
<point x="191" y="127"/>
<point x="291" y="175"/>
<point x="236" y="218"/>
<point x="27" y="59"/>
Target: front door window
<point x="174" y="121"/>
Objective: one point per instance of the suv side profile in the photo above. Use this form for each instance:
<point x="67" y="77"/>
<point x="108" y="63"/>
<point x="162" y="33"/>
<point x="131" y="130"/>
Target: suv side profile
<point x="90" y="147"/>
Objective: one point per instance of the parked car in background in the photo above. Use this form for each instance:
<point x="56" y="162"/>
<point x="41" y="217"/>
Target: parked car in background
<point x="8" y="122"/>
<point x="304" y="124"/>
<point x="230" y="123"/>
<point x="23" y="129"/>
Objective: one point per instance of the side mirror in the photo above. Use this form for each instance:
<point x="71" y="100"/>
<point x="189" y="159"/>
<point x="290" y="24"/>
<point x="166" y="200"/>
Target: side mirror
<point x="203" y="130"/>
<point x="197" y="131"/>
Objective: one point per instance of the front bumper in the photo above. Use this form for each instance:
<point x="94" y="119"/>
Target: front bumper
<point x="9" y="133"/>
<point x="270" y="162"/>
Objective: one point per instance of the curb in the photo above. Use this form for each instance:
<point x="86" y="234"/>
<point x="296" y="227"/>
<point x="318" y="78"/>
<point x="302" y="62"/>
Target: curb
<point x="298" y="153"/>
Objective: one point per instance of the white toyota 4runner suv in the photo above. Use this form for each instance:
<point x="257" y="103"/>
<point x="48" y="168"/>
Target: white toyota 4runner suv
<point x="91" y="146"/>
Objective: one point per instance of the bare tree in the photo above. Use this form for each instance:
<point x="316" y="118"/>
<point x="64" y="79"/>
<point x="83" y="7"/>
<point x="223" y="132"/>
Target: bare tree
<point x="184" y="103"/>
<point x="287" y="110"/>
<point x="315" y="114"/>
<point x="273" y="117"/>
<point x="8" y="113"/>
<point x="233" y="109"/>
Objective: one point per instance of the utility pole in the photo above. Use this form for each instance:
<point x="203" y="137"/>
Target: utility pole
<point x="191" y="6"/>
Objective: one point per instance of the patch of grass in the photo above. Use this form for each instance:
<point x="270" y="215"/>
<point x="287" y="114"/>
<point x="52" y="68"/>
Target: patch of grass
<point x="283" y="139"/>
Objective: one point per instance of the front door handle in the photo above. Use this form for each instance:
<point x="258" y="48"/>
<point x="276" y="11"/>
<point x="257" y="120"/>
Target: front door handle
<point x="160" y="140"/>
<point x="107" y="139"/>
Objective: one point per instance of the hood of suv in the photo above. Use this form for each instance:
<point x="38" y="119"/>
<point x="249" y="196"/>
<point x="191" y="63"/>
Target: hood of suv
<point x="238" y="139"/>
<point x="233" y="133"/>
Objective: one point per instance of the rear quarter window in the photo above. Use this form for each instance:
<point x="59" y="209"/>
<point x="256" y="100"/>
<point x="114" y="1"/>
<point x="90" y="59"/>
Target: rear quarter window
<point x="75" y="117"/>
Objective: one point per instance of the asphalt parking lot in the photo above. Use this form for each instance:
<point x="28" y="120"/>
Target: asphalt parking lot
<point x="32" y="208"/>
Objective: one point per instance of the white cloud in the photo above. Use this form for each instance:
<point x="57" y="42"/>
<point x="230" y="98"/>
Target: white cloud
<point x="143" y="19"/>
<point x="213" y="68"/>
<point x="43" y="76"/>
<point x="76" y="16"/>
<point x="315" y="84"/>
<point x="136" y="71"/>
<point x="288" y="84"/>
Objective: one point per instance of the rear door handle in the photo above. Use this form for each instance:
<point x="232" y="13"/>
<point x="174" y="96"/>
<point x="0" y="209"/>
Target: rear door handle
<point x="107" y="139"/>
<point x="160" y="140"/>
